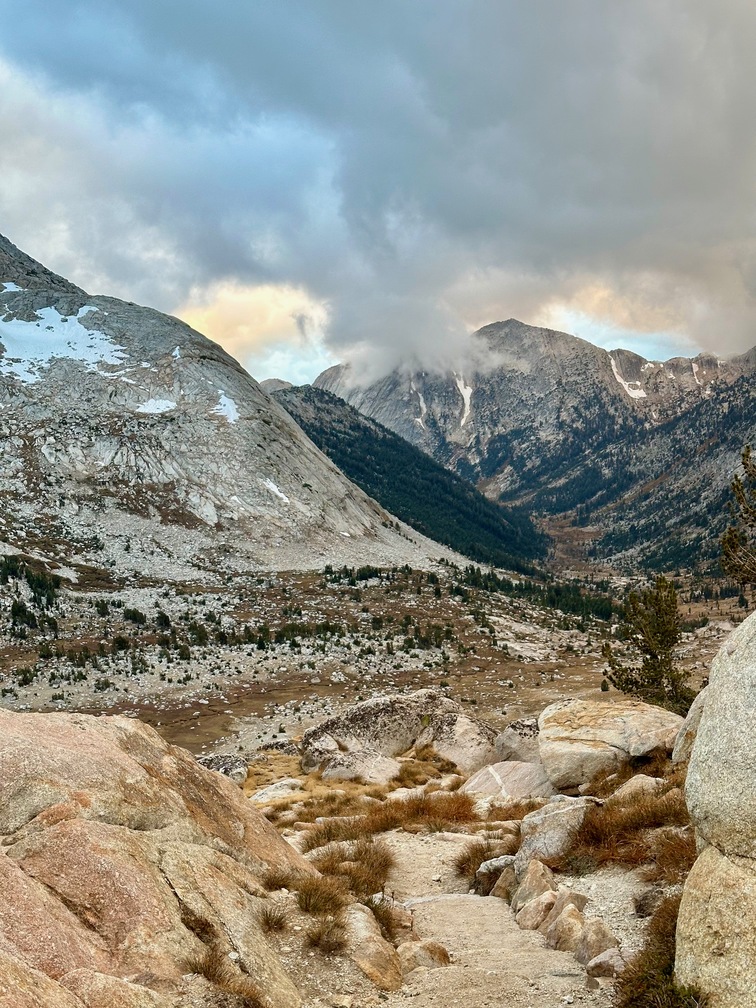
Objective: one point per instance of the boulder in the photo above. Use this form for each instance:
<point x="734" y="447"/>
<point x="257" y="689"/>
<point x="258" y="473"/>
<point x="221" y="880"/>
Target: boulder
<point x="565" y="897"/>
<point x="610" y="963"/>
<point x="565" y="932"/>
<point x="595" y="939"/>
<point x="536" y="880"/>
<point x="687" y="734"/>
<point x="505" y="884"/>
<point x="532" y="915"/>
<point x="547" y="833"/>
<point x="118" y="849"/>
<point x="387" y="726"/>
<point x="579" y="739"/>
<point x="519" y="741"/>
<point x="716" y="931"/>
<point x="427" y="953"/>
<point x="231" y="766"/>
<point x="284" y="788"/>
<point x="370" y="951"/>
<point x="510" y="780"/>
<point x="640" y="784"/>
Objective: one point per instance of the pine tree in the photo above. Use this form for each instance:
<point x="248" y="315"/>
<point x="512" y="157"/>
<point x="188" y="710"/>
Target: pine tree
<point x="739" y="541"/>
<point x="652" y="625"/>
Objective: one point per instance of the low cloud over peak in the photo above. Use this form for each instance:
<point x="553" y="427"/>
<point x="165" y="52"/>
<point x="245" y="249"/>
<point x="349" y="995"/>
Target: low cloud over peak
<point x="413" y="170"/>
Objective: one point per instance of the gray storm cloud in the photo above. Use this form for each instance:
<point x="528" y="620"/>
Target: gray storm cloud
<point x="421" y="168"/>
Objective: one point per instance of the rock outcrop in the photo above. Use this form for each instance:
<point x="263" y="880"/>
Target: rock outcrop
<point x="579" y="739"/>
<point x="716" y="933"/>
<point x="121" y="856"/>
<point x="363" y="741"/>
<point x="510" y="780"/>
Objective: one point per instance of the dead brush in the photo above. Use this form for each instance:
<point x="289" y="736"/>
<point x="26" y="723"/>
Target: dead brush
<point x="413" y="772"/>
<point x="648" y="979"/>
<point x="673" y="853"/>
<point x="321" y="895"/>
<point x="328" y="936"/>
<point x="471" y="857"/>
<point x="215" y="966"/>
<point x="273" y="918"/>
<point x="617" y="832"/>
<point x="428" y="754"/>
<point x="364" y="865"/>
<point x="514" y="810"/>
<point x="276" y="878"/>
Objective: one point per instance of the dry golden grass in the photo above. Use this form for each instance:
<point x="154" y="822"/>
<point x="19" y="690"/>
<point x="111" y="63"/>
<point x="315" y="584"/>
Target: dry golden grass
<point x="273" y="918"/>
<point x="276" y="878"/>
<point x="321" y="895"/>
<point x="673" y="853"/>
<point x="449" y="807"/>
<point x="471" y="857"/>
<point x="386" y="917"/>
<point x="329" y="935"/>
<point x="648" y="980"/>
<point x="364" y="865"/>
<point x="514" y="810"/>
<point x="215" y="966"/>
<point x="617" y="832"/>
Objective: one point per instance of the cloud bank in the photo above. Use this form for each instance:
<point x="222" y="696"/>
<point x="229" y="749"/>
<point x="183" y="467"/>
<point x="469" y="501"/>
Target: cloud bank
<point x="398" y="173"/>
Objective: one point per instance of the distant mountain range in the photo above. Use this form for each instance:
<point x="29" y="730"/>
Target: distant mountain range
<point x="134" y="446"/>
<point x="410" y="484"/>
<point x="639" y="451"/>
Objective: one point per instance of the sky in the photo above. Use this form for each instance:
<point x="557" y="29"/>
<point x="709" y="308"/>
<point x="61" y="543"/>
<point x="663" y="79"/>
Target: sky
<point x="309" y="181"/>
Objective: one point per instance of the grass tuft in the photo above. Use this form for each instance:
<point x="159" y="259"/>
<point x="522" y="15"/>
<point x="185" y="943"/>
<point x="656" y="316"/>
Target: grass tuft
<point x="329" y="935"/>
<point x="215" y="966"/>
<point x="648" y="979"/>
<point x="273" y="918"/>
<point x="321" y="895"/>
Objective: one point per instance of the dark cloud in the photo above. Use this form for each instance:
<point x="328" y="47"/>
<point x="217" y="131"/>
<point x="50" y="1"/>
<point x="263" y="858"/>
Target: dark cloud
<point x="420" y="167"/>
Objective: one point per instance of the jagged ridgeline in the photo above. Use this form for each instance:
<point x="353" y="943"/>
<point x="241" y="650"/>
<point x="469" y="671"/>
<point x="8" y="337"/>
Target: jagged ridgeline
<point x="407" y="482"/>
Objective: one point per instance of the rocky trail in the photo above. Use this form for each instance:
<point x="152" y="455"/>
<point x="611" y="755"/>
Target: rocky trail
<point x="493" y="961"/>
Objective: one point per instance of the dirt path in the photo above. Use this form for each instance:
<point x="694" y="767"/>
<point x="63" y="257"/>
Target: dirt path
<point x="494" y="962"/>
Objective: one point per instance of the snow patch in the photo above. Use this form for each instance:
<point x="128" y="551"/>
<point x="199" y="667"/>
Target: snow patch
<point x="156" y="406"/>
<point x="635" y="392"/>
<point x="423" y="408"/>
<point x="176" y="353"/>
<point x="32" y="346"/>
<point x="466" y="392"/>
<point x="226" y="407"/>
<point x="274" y="489"/>
<point x="11" y="287"/>
<point x="695" y="372"/>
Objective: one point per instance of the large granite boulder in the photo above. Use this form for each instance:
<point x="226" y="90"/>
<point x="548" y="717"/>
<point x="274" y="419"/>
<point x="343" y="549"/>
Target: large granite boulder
<point x="579" y="739"/>
<point x="716" y="933"/>
<point x="386" y="726"/>
<point x="120" y="856"/>
<point x="510" y="780"/>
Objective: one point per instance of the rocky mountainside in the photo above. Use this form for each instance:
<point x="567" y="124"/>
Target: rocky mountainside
<point x="548" y="420"/>
<point x="410" y="484"/>
<point x="132" y="443"/>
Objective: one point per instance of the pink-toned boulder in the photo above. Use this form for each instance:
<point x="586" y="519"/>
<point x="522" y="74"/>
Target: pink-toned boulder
<point x="117" y="848"/>
<point x="579" y="739"/>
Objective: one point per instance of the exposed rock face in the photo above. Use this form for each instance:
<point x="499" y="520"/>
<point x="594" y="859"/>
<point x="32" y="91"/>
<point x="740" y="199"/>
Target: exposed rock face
<point x="372" y="732"/>
<point x="542" y="416"/>
<point x="716" y="934"/>
<point x="510" y="780"/>
<point x="113" y="843"/>
<point x="547" y="833"/>
<point x="579" y="739"/>
<point x="687" y="734"/>
<point x="519" y="741"/>
<point x="233" y="767"/>
<point x="146" y="448"/>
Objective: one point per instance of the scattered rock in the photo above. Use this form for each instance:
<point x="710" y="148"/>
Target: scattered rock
<point x="233" y="767"/>
<point x="565" y="932"/>
<point x="565" y="897"/>
<point x="426" y="953"/>
<point x="595" y="939"/>
<point x="532" y="915"/>
<point x="638" y="785"/>
<point x="537" y="879"/>
<point x="579" y="739"/>
<point x="281" y="789"/>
